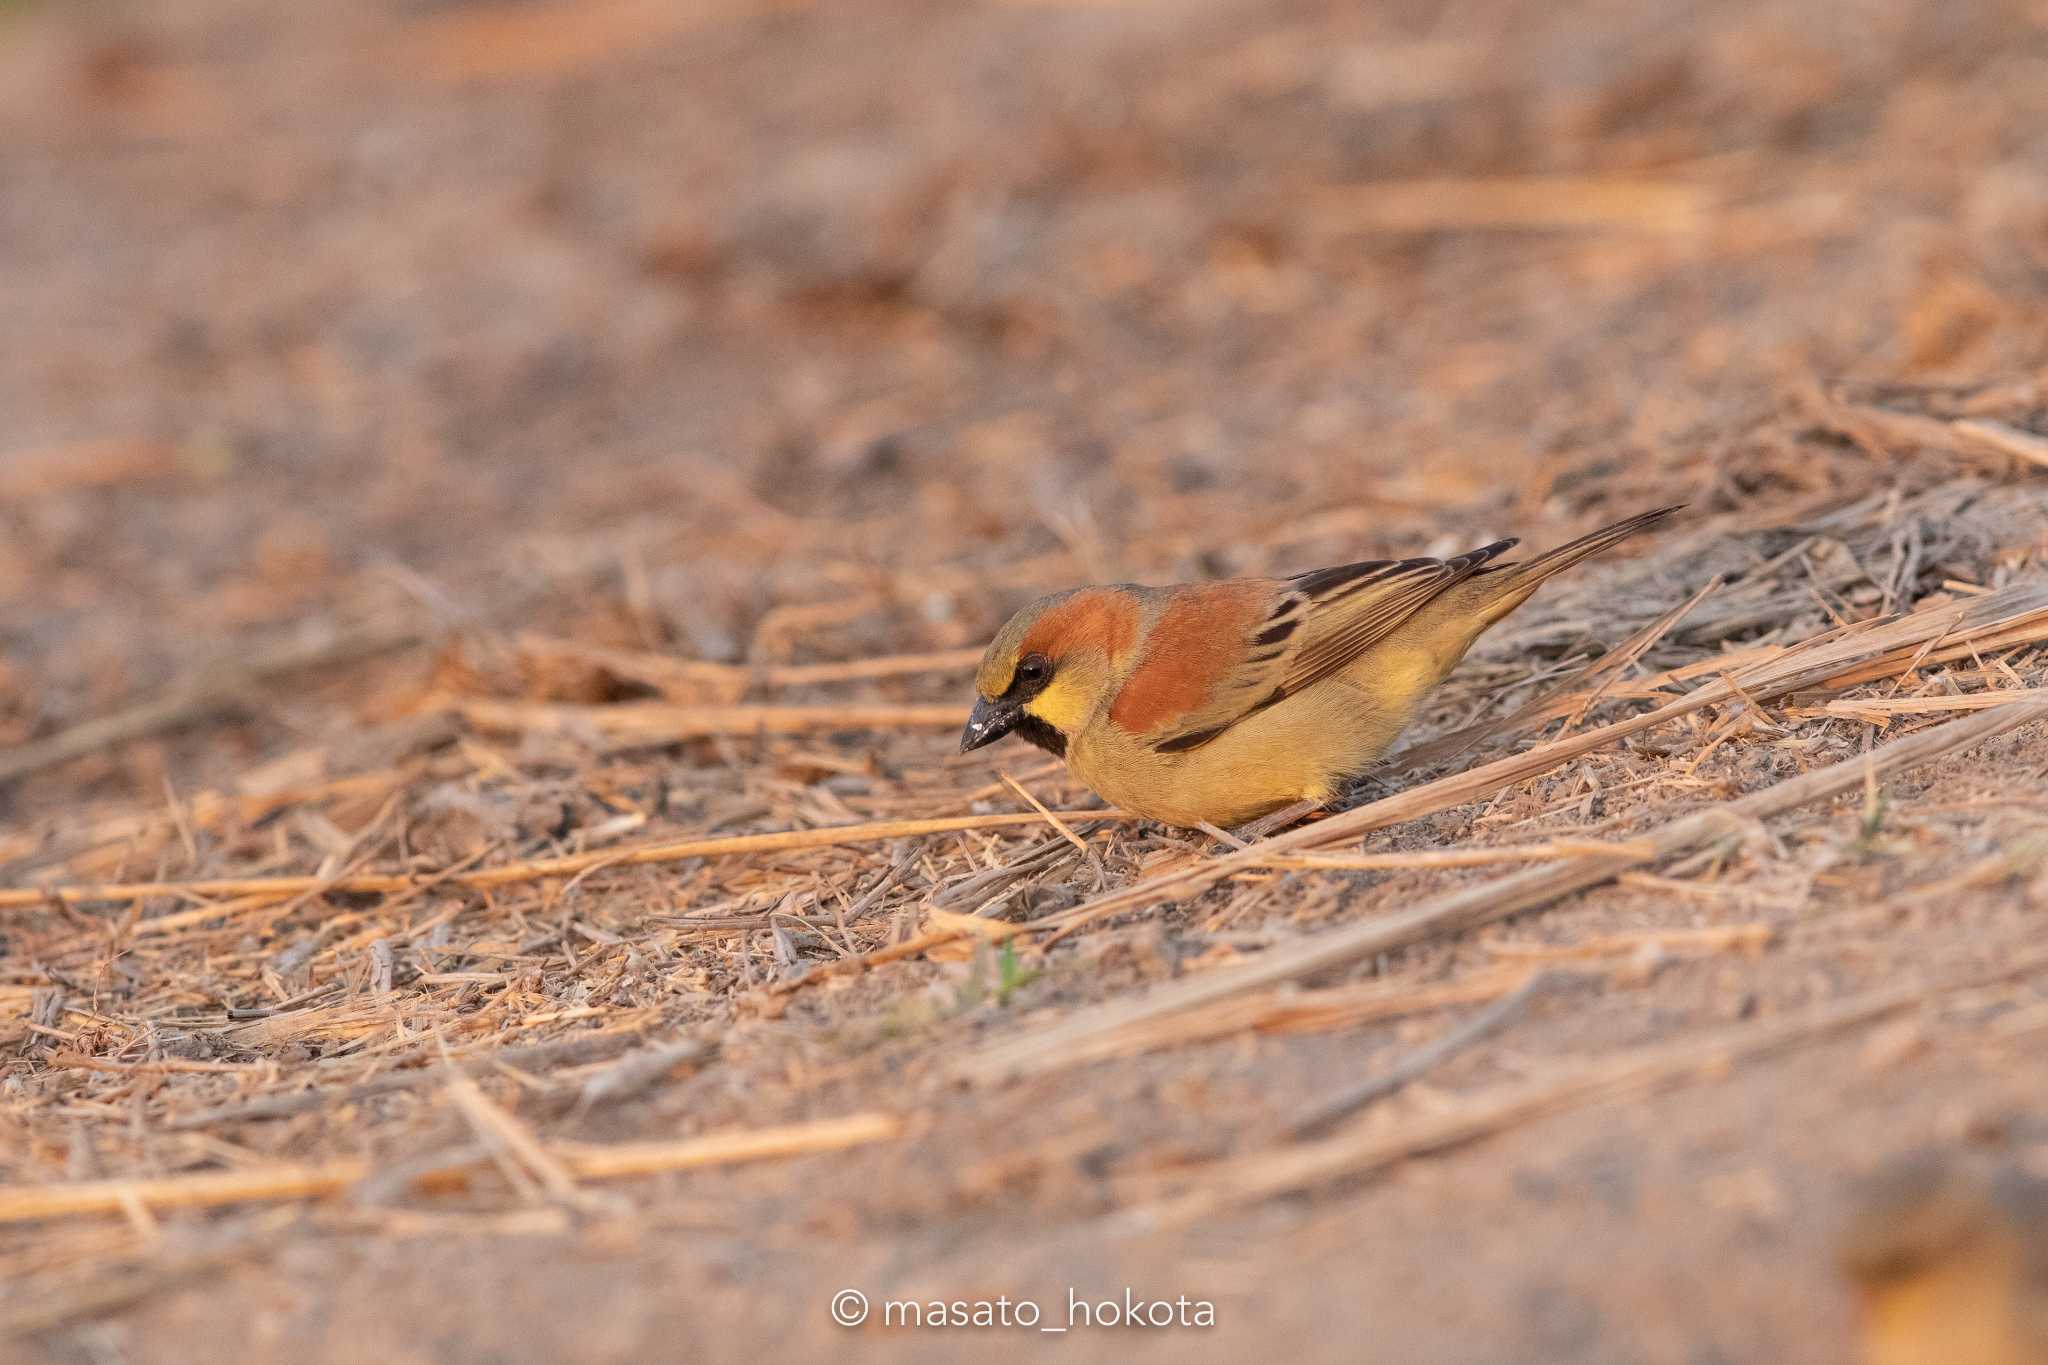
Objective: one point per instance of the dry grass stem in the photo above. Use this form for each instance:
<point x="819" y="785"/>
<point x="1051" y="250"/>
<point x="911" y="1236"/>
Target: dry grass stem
<point x="1351" y="1155"/>
<point x="586" y="1161"/>
<point x="1096" y="1032"/>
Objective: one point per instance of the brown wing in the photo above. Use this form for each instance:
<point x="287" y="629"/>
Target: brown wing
<point x="1266" y="640"/>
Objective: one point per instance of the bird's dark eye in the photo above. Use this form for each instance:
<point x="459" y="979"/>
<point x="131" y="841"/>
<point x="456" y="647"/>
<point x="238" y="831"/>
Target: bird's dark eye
<point x="1033" y="669"/>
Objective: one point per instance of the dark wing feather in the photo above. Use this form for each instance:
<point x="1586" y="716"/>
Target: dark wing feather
<point x="1344" y="617"/>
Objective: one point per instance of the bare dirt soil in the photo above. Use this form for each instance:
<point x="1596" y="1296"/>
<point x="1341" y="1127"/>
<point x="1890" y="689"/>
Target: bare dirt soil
<point x="465" y="468"/>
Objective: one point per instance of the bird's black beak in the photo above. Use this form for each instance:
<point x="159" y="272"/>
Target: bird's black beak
<point x="989" y="722"/>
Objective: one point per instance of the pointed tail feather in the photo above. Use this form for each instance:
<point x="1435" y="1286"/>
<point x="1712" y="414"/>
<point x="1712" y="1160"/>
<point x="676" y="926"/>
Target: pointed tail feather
<point x="1509" y="585"/>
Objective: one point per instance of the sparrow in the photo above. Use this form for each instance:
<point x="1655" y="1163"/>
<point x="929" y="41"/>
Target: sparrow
<point x="1949" y="1258"/>
<point x="1218" y="703"/>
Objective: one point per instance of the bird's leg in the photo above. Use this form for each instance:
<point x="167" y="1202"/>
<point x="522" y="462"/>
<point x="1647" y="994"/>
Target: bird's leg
<point x="1255" y="830"/>
<point x="1376" y="781"/>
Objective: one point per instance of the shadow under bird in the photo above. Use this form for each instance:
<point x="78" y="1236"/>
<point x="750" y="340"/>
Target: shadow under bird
<point x="1223" y="702"/>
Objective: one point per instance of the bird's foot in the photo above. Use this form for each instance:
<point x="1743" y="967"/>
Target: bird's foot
<point x="1255" y="830"/>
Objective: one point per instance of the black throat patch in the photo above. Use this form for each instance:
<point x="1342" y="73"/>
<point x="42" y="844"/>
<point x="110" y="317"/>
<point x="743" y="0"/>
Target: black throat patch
<point x="1038" y="732"/>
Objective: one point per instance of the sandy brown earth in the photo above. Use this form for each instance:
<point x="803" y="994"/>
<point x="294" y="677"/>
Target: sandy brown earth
<point x="438" y="438"/>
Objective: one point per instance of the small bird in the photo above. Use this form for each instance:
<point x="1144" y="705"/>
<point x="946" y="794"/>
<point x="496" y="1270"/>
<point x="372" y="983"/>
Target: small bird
<point x="1218" y="703"/>
<point x="1950" y="1260"/>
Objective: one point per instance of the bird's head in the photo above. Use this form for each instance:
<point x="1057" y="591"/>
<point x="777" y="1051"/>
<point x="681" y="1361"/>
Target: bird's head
<point x="1052" y="666"/>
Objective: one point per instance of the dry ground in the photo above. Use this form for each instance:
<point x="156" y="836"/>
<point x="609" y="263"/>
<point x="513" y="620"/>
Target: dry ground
<point x="455" y="458"/>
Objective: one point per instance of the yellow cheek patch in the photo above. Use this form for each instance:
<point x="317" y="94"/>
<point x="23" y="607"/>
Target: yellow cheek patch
<point x="1065" y="704"/>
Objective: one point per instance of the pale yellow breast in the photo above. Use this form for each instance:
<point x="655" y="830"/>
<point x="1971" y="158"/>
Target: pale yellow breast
<point x="1304" y="748"/>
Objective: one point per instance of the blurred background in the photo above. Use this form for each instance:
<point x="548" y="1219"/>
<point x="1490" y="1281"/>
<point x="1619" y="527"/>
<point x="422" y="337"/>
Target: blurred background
<point x="779" y="301"/>
<point x="767" y="332"/>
